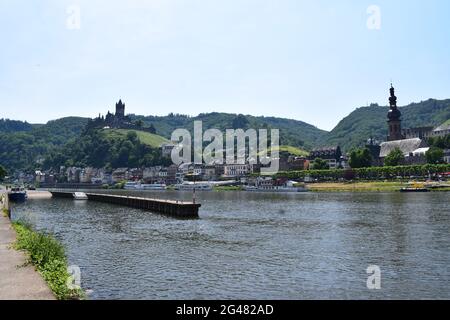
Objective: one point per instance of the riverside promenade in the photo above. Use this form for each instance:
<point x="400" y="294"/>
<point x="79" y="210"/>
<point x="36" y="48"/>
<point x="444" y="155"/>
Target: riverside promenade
<point x="17" y="280"/>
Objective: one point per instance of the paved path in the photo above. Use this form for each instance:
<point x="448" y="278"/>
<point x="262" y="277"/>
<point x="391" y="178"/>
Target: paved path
<point x="16" y="281"/>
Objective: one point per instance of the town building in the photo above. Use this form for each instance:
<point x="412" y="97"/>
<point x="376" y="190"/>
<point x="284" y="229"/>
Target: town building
<point x="419" y="132"/>
<point x="209" y="172"/>
<point x="447" y="155"/>
<point x="73" y="174"/>
<point x="332" y="155"/>
<point x="413" y="150"/>
<point x="119" y="175"/>
<point x="172" y="171"/>
<point x="236" y="170"/>
<point x="166" y="150"/>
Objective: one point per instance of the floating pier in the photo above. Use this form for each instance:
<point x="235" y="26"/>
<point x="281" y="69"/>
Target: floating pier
<point x="178" y="209"/>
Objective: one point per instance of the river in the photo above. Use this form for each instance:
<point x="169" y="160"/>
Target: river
<point x="256" y="245"/>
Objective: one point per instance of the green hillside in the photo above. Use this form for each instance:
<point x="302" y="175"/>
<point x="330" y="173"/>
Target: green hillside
<point x="7" y="126"/>
<point x="152" y="140"/>
<point x="65" y="141"/>
<point x="24" y="146"/>
<point x="290" y="150"/>
<point x="292" y="132"/>
<point x="366" y="122"/>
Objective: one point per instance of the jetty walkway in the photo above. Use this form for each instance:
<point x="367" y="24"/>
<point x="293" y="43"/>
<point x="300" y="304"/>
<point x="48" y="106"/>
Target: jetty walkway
<point x="175" y="208"/>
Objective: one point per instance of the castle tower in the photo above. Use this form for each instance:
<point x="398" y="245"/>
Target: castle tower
<point x="394" y="118"/>
<point x="120" y="109"/>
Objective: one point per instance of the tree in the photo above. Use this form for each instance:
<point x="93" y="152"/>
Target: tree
<point x="240" y="122"/>
<point x="435" y="155"/>
<point x="139" y="123"/>
<point x="394" y="158"/>
<point x="320" y="164"/>
<point x="2" y="173"/>
<point x="360" y="158"/>
<point x="132" y="136"/>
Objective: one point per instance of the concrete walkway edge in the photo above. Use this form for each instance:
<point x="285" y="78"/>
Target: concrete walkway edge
<point x="17" y="281"/>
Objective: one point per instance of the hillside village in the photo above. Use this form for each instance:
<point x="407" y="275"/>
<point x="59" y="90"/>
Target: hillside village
<point x="413" y="143"/>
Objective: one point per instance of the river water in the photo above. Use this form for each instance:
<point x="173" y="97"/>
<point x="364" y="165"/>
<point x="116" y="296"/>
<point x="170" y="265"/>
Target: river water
<point x="257" y="245"/>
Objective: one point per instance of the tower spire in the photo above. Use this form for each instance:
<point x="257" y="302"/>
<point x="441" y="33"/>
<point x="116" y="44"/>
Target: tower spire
<point x="394" y="117"/>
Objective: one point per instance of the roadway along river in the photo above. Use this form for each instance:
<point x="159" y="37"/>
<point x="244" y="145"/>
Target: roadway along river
<point x="257" y="245"/>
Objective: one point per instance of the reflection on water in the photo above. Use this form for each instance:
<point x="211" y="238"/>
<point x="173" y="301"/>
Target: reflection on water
<point x="257" y="245"/>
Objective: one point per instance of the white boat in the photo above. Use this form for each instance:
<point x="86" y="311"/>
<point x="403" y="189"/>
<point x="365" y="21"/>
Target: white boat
<point x="131" y="185"/>
<point x="80" y="196"/>
<point x="189" y="186"/>
<point x="155" y="186"/>
<point x="141" y="186"/>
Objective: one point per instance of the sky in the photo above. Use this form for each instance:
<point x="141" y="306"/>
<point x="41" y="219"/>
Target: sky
<point x="314" y="61"/>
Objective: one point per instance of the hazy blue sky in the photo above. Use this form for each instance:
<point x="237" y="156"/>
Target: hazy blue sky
<point x="314" y="61"/>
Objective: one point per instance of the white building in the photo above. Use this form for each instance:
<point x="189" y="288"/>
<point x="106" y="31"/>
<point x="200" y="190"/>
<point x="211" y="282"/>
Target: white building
<point x="447" y="155"/>
<point x="236" y="170"/>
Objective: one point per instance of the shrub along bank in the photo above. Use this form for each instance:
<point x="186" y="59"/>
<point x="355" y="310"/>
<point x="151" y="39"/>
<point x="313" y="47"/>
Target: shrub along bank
<point x="370" y="174"/>
<point x="48" y="256"/>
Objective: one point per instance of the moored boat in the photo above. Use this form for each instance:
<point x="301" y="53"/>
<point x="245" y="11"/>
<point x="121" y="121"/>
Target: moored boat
<point x="268" y="185"/>
<point x="17" y="194"/>
<point x="189" y="186"/>
<point x="131" y="185"/>
<point x="154" y="186"/>
<point x="80" y="196"/>
<point x="414" y="190"/>
<point x="415" y="187"/>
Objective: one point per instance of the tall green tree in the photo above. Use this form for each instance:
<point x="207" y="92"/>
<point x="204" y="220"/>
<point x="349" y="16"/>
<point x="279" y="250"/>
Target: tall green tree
<point x="435" y="155"/>
<point x="394" y="158"/>
<point x="320" y="164"/>
<point x="360" y="158"/>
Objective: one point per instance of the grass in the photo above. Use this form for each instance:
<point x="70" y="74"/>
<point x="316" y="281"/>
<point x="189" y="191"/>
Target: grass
<point x="49" y="258"/>
<point x="228" y="188"/>
<point x="147" y="138"/>
<point x="379" y="186"/>
<point x="291" y="150"/>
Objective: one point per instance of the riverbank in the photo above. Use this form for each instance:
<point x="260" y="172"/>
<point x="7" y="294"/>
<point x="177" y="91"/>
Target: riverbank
<point x="49" y="258"/>
<point x="378" y="186"/>
<point x="18" y="280"/>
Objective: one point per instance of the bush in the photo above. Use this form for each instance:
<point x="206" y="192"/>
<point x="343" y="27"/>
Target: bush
<point x="394" y="158"/>
<point x="372" y="173"/>
<point x="47" y="254"/>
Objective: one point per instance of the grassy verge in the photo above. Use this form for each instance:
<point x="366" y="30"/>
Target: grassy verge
<point x="228" y="188"/>
<point x="381" y="186"/>
<point x="48" y="256"/>
<point x="446" y="189"/>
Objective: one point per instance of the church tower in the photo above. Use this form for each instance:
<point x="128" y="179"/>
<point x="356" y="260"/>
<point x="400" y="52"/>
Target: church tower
<point x="394" y="121"/>
<point x="120" y="109"/>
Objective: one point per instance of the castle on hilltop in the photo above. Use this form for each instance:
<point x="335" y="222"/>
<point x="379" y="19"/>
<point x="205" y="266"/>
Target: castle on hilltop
<point x="118" y="121"/>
